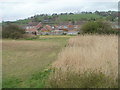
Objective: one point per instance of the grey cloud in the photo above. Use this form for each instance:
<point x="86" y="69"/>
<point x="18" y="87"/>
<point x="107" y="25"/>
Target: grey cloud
<point x="91" y="6"/>
<point x="23" y="9"/>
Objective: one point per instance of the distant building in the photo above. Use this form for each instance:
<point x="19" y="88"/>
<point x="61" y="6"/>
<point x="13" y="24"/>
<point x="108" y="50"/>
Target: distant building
<point x="72" y="32"/>
<point x="32" y="31"/>
<point x="115" y="25"/>
<point x="57" y="32"/>
<point x="66" y="28"/>
<point x="39" y="26"/>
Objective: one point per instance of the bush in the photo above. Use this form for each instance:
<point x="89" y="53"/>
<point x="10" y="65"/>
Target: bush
<point x="12" y="31"/>
<point x="99" y="27"/>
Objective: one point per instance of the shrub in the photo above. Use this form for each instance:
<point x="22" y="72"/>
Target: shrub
<point x="64" y="33"/>
<point x="99" y="27"/>
<point x="12" y="31"/>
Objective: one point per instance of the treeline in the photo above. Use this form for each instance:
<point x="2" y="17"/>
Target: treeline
<point x="110" y="15"/>
<point x="102" y="13"/>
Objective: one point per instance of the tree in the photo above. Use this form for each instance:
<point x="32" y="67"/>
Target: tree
<point x="12" y="31"/>
<point x="99" y="27"/>
<point x="73" y="21"/>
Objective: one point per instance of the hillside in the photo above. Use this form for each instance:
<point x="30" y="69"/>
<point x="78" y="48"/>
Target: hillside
<point x="78" y="17"/>
<point x="56" y="19"/>
<point x="66" y="17"/>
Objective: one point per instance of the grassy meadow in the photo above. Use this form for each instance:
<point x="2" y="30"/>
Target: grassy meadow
<point x="85" y="61"/>
<point x="23" y="58"/>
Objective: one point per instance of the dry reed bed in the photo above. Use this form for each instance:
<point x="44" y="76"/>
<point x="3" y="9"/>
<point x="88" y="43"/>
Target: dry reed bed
<point x="90" y="52"/>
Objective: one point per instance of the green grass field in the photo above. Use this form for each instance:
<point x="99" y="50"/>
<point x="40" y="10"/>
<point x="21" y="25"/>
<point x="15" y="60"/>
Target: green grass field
<point x="26" y="60"/>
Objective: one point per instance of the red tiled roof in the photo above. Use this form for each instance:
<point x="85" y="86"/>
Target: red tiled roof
<point x="39" y="25"/>
<point x="70" y="26"/>
<point x="48" y="27"/>
<point x="31" y="30"/>
<point x="64" y="29"/>
<point x="43" y="29"/>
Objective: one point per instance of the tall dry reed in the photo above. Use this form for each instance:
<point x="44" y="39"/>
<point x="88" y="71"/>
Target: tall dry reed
<point x="90" y="52"/>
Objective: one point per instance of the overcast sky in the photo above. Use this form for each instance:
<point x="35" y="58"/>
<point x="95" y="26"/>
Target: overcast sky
<point x="11" y="10"/>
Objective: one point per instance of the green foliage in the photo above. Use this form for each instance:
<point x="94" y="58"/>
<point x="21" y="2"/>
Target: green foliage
<point x="38" y="80"/>
<point x="12" y="31"/>
<point x="86" y="80"/>
<point x="11" y="83"/>
<point x="99" y="27"/>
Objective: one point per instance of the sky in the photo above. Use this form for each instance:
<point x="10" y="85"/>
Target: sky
<point x="11" y="10"/>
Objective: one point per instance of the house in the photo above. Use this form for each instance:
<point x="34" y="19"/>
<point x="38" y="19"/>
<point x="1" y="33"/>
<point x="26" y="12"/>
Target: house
<point x="32" y="31"/>
<point x="70" y="27"/>
<point x="115" y="25"/>
<point x="32" y="28"/>
<point x="61" y="27"/>
<point x="72" y="32"/>
<point x="40" y="29"/>
<point x="46" y="28"/>
<point x="29" y="27"/>
<point x="67" y="27"/>
<point x="39" y="26"/>
<point x="43" y="29"/>
<point x="57" y="32"/>
<point x="44" y="33"/>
